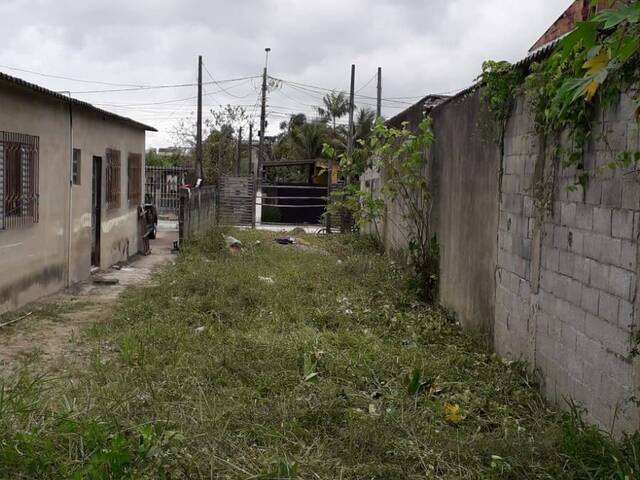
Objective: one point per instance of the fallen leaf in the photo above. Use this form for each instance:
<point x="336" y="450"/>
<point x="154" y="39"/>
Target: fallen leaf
<point x="452" y="413"/>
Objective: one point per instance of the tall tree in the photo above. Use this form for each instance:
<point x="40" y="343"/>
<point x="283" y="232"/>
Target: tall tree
<point x="364" y="123"/>
<point x="308" y="139"/>
<point x="219" y="139"/>
<point x="334" y="106"/>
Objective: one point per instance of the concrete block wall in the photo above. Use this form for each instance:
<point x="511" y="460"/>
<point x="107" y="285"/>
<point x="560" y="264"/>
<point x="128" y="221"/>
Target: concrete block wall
<point x="567" y="276"/>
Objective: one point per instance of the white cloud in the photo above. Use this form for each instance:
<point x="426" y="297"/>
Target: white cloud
<point x="423" y="46"/>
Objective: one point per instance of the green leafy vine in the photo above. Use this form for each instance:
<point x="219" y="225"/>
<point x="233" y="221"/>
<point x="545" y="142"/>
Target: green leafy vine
<point x="591" y="67"/>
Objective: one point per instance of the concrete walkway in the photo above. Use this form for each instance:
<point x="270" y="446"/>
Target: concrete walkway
<point x="51" y="327"/>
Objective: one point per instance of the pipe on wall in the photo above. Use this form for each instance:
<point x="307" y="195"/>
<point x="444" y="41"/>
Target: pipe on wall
<point x="70" y="230"/>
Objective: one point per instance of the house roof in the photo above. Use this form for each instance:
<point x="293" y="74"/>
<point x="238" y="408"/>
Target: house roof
<point x="416" y="111"/>
<point x="74" y="101"/>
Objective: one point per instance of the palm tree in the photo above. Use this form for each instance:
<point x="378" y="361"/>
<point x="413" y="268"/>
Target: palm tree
<point x="308" y="139"/>
<point x="335" y="105"/>
<point x="364" y="123"/>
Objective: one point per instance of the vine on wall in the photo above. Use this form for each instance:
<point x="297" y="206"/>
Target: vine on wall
<point x="593" y="65"/>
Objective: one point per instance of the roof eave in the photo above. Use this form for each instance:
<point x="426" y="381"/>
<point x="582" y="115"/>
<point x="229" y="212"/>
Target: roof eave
<point x="73" y="101"/>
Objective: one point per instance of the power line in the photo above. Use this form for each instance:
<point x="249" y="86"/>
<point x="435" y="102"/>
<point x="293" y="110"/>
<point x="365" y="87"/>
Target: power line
<point x="159" y="87"/>
<point x="220" y="86"/>
<point x="320" y="90"/>
<point x="167" y="101"/>
<point x="319" y="96"/>
<point x="368" y="82"/>
<point x="71" y="79"/>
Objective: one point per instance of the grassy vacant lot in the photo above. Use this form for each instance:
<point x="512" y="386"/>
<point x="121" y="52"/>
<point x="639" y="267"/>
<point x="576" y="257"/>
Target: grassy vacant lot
<point x="331" y="371"/>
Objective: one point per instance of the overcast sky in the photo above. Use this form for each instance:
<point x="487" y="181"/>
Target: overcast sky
<point x="423" y="46"/>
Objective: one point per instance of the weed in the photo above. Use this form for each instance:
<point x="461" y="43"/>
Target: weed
<point x="333" y="371"/>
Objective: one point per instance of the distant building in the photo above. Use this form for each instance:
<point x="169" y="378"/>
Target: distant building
<point x="414" y="114"/>
<point x="71" y="180"/>
<point x="173" y="151"/>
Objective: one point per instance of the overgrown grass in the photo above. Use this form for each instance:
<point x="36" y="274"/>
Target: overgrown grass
<point x="332" y="371"/>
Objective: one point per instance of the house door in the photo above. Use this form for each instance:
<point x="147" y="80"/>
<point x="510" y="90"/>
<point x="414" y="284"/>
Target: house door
<point x="96" y="210"/>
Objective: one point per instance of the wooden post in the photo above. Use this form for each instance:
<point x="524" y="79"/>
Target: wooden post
<point x="379" y="99"/>
<point x="351" y="108"/>
<point x="239" y="152"/>
<point x="199" y="166"/>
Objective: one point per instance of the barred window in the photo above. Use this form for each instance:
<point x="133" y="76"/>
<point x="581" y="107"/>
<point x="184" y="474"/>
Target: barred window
<point x="113" y="178"/>
<point x="76" y="166"/>
<point x="18" y="180"/>
<point x="134" y="177"/>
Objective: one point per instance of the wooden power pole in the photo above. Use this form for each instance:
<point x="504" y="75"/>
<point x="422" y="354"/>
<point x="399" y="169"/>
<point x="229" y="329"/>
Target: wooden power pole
<point x="251" y="169"/>
<point x="239" y="152"/>
<point x="351" y="109"/>
<point x="257" y="179"/>
<point x="199" y="167"/>
<point x="263" y="115"/>
<point x="379" y="100"/>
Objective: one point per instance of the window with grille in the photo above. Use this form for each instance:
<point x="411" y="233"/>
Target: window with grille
<point x="76" y="166"/>
<point x="113" y="178"/>
<point x="18" y="180"/>
<point x="134" y="187"/>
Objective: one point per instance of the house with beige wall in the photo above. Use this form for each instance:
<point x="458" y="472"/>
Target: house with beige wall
<point x="71" y="181"/>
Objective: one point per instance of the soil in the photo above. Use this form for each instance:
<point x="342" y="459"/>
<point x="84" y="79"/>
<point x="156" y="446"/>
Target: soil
<point x="52" y="327"/>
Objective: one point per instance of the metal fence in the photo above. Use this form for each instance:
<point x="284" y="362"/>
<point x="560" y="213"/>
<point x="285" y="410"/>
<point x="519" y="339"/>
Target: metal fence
<point x="197" y="211"/>
<point x="233" y="202"/>
<point x="162" y="186"/>
<point x="236" y="196"/>
<point x="301" y="204"/>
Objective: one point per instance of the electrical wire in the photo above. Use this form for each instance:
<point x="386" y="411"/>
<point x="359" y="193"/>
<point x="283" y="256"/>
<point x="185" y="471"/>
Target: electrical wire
<point x="321" y="90"/>
<point x="160" y="87"/>
<point x="220" y="86"/>
<point x="71" y="79"/>
<point x="367" y="84"/>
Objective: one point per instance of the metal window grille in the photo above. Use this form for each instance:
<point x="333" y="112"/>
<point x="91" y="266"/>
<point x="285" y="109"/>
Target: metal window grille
<point x="113" y="178"/>
<point x="76" y="166"/>
<point x="19" y="162"/>
<point x="134" y="179"/>
<point x="1" y="185"/>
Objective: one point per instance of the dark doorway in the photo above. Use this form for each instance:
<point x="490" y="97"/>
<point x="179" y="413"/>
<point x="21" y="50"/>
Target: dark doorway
<point x="96" y="210"/>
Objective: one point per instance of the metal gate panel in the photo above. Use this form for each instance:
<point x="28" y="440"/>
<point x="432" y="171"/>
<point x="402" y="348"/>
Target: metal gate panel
<point x="236" y="200"/>
<point x="162" y="186"/>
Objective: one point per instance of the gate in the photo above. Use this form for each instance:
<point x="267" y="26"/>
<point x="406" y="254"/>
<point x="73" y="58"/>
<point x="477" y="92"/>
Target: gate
<point x="236" y="197"/>
<point x="162" y="187"/>
<point x="197" y="212"/>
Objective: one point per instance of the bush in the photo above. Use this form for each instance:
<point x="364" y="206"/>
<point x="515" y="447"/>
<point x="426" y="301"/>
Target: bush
<point x="271" y="214"/>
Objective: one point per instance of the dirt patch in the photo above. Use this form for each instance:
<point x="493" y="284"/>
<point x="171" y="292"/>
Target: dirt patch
<point x="52" y="327"/>
<point x="49" y="337"/>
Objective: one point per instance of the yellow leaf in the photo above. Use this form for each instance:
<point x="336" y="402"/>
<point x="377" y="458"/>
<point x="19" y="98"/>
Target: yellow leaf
<point x="452" y="413"/>
<point x="597" y="63"/>
<point x="591" y="89"/>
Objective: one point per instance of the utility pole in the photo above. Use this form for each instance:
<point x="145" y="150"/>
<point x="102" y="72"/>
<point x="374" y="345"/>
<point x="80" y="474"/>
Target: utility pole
<point x="263" y="114"/>
<point x="251" y="169"/>
<point x="257" y="176"/>
<point x="199" y="168"/>
<point x="239" y="153"/>
<point x="327" y="218"/>
<point x="379" y="101"/>
<point x="351" y="108"/>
